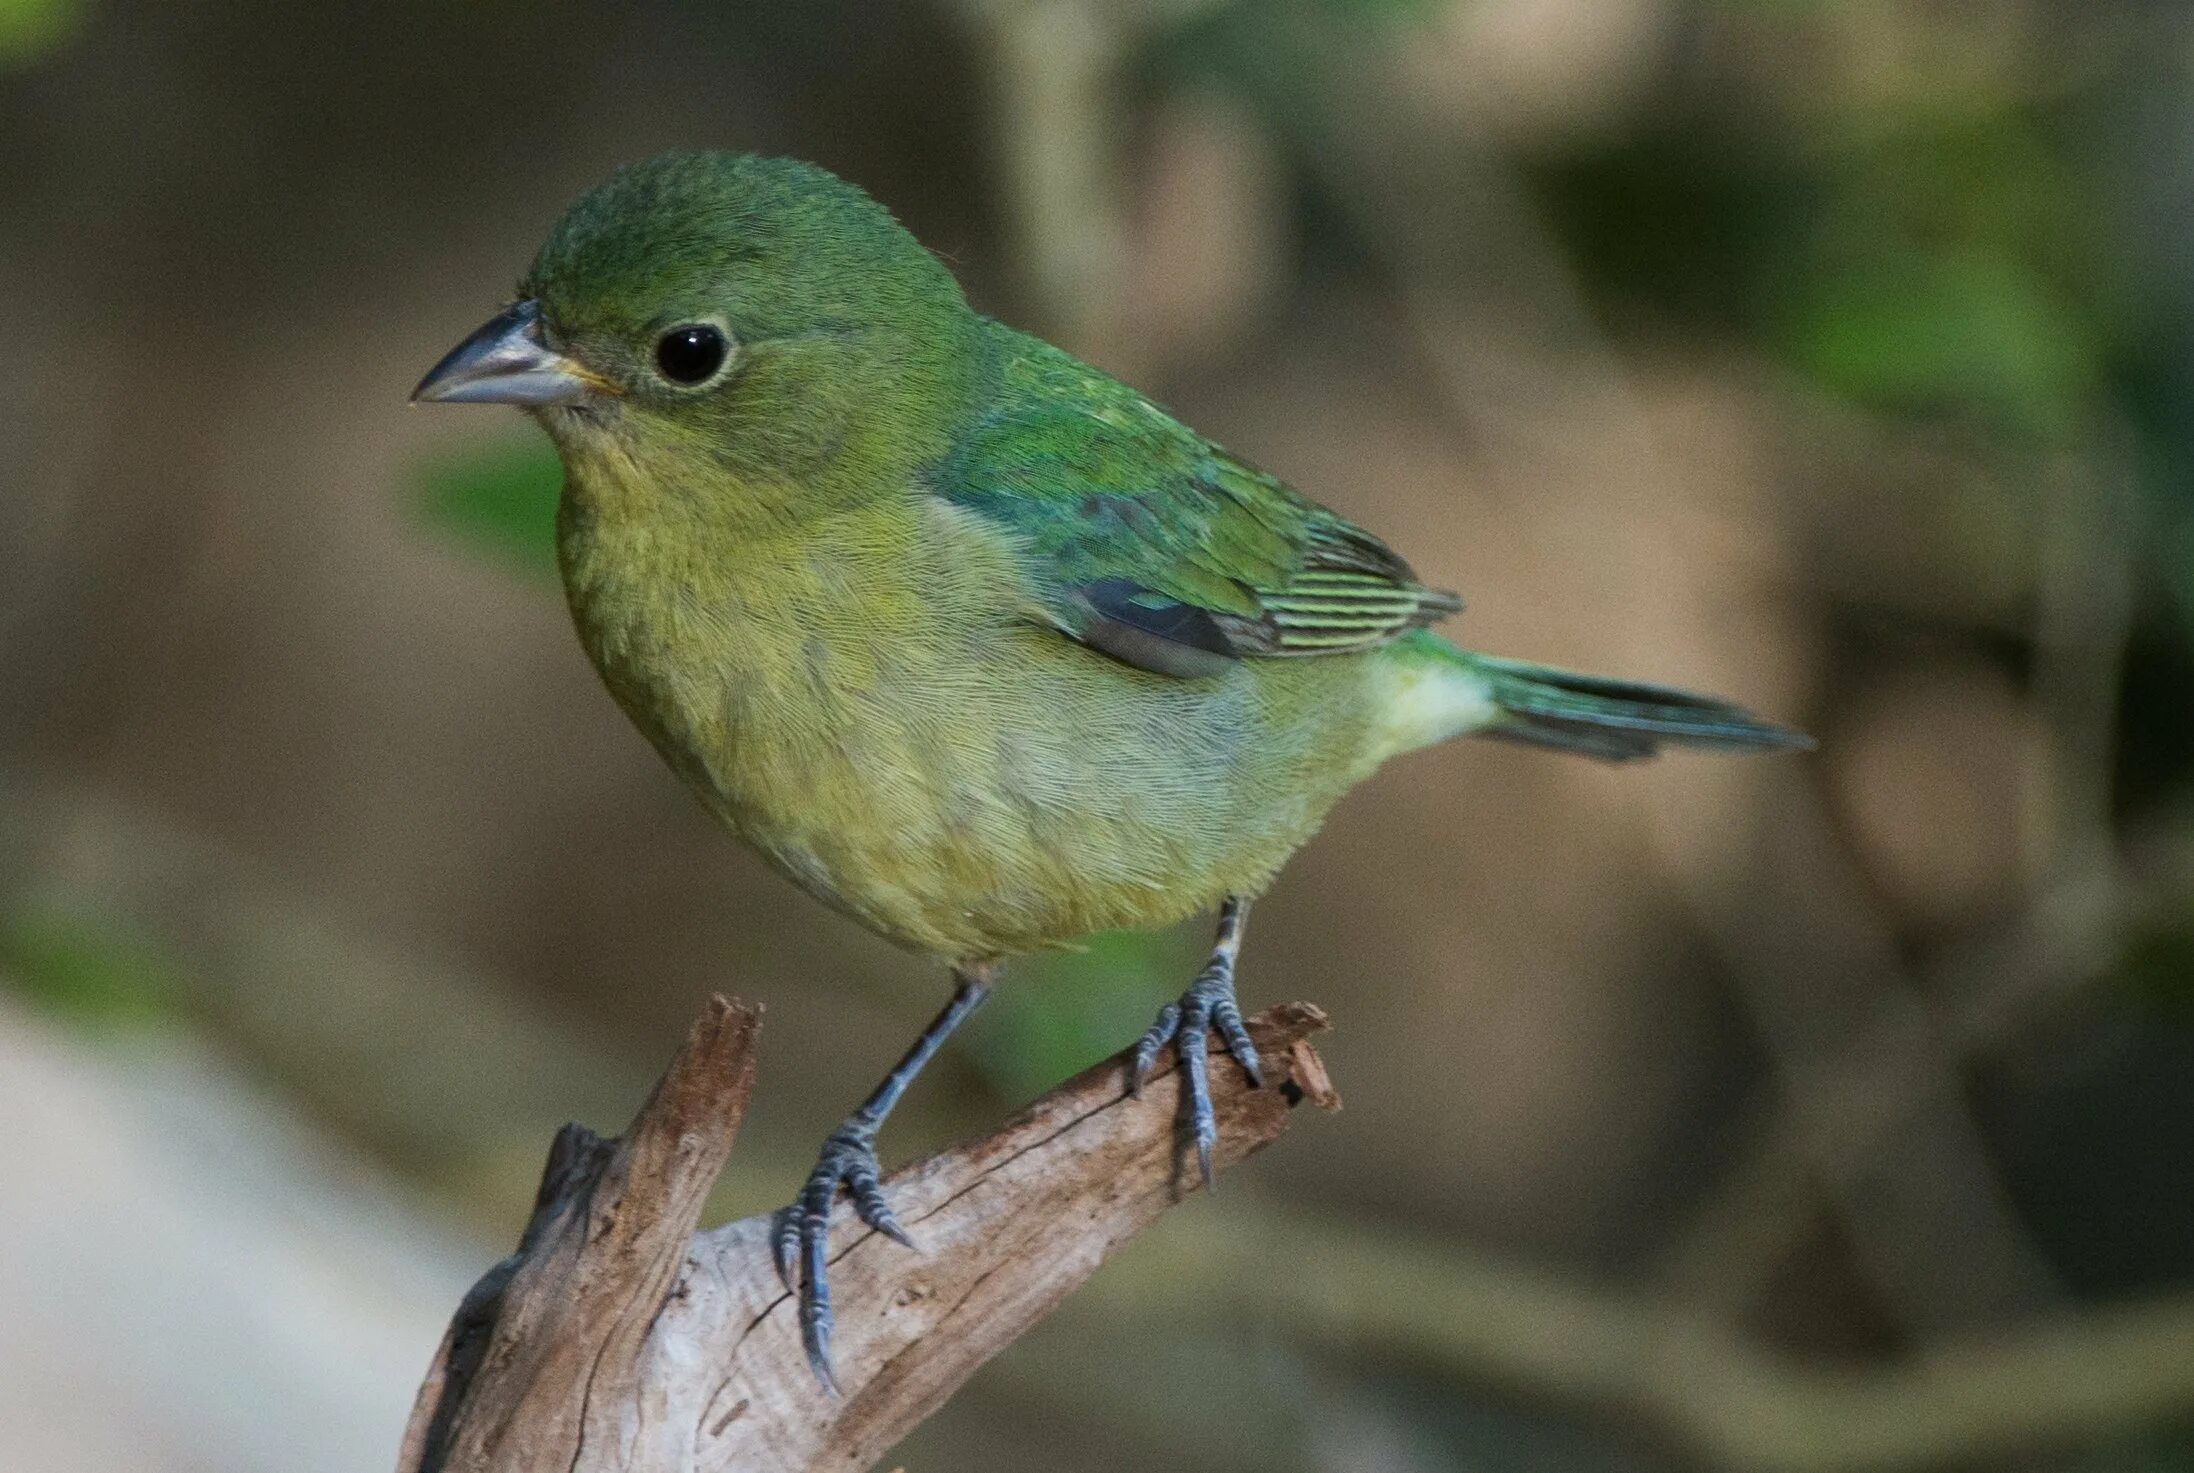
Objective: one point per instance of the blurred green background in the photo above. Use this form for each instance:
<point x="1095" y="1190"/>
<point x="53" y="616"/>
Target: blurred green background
<point x="1831" y="354"/>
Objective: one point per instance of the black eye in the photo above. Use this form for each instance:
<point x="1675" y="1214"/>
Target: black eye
<point x="688" y="355"/>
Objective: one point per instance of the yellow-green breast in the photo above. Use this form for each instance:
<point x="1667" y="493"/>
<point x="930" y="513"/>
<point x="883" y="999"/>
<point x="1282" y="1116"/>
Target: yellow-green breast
<point x="863" y="699"/>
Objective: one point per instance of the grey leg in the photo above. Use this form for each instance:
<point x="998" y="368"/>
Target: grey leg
<point x="800" y="1233"/>
<point x="1209" y="1003"/>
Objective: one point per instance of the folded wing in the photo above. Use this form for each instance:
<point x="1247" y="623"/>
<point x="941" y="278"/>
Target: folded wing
<point x="1140" y="538"/>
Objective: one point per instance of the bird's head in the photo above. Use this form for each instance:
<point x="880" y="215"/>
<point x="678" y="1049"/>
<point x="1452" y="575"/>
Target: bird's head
<point x="760" y="312"/>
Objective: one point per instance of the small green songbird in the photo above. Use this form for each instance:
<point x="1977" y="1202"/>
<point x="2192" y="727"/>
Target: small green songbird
<point x="968" y="639"/>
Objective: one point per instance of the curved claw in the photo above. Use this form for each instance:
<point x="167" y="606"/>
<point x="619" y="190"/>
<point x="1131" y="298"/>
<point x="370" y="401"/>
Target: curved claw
<point x="815" y="1321"/>
<point x="1228" y="1017"/>
<point x="800" y="1234"/>
<point x="1209" y="1003"/>
<point x="869" y="1204"/>
<point x="1157" y="1037"/>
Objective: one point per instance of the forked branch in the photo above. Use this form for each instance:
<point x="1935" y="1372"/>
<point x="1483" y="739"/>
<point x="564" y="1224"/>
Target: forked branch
<point x="617" y="1338"/>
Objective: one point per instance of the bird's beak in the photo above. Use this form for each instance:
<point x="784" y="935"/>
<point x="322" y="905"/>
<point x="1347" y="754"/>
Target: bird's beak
<point x="505" y="362"/>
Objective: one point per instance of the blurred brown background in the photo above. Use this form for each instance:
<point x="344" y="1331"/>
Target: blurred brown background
<point x="1830" y="354"/>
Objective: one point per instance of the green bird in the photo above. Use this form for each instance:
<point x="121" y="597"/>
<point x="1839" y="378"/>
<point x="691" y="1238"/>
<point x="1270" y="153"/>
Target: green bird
<point x="968" y="639"/>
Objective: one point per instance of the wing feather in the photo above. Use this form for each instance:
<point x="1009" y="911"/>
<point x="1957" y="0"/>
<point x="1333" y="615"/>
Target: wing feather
<point x="1144" y="540"/>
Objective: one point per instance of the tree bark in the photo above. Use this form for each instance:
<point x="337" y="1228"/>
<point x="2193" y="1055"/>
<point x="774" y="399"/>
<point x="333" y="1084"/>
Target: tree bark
<point x="618" y="1338"/>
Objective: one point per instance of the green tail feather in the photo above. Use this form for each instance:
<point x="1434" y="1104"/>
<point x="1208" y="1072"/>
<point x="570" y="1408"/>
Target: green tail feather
<point x="1617" y="720"/>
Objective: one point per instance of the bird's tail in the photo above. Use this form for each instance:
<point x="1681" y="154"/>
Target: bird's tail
<point x="1614" y="720"/>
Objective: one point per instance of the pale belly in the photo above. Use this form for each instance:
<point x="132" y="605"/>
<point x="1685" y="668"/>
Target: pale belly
<point x="868" y="703"/>
<point x="988" y="791"/>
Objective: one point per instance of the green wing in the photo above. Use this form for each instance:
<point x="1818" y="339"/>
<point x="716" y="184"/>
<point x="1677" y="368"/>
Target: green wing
<point x="1144" y="540"/>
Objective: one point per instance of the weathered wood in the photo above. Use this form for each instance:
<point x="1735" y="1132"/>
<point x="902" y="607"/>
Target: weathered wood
<point x="616" y="1338"/>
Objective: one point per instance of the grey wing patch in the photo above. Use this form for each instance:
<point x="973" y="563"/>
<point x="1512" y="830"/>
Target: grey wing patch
<point x="1153" y="632"/>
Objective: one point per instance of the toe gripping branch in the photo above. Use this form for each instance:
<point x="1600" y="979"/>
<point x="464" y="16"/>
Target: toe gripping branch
<point x="800" y="1234"/>
<point x="618" y="1338"/>
<point x="1209" y="1003"/>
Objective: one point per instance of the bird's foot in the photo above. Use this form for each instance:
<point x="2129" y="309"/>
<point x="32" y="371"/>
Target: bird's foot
<point x="1209" y="1003"/>
<point x="800" y="1234"/>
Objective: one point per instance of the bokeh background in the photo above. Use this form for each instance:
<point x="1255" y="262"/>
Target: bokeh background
<point x="1830" y="354"/>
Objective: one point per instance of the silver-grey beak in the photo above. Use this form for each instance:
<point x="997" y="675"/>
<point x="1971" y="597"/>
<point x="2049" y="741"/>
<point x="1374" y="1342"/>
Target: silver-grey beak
<point x="506" y="362"/>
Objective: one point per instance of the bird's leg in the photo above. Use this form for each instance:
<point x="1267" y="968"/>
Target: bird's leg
<point x="1208" y="1003"/>
<point x="800" y="1233"/>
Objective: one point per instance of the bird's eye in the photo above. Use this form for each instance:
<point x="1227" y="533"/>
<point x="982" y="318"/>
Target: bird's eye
<point x="689" y="355"/>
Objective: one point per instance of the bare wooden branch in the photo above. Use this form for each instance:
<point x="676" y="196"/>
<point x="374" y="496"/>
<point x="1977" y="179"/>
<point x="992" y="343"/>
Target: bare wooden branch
<point x="616" y="1338"/>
